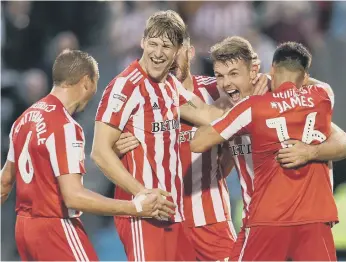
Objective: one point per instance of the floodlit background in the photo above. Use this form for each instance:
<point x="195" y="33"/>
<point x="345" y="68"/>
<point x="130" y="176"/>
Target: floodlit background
<point x="33" y="33"/>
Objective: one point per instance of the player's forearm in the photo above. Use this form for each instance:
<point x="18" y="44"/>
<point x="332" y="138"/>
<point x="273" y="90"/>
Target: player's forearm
<point x="334" y="148"/>
<point x="5" y="192"/>
<point x="113" y="168"/>
<point x="90" y="202"/>
<point x="7" y="180"/>
<point x="204" y="139"/>
<point x="199" y="113"/>
<point x="214" y="113"/>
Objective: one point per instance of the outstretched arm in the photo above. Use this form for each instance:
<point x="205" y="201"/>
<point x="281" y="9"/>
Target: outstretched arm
<point x="199" y="113"/>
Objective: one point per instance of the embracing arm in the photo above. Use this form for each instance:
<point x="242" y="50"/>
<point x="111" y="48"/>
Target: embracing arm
<point x="199" y="113"/>
<point x="205" y="138"/>
<point x="334" y="149"/>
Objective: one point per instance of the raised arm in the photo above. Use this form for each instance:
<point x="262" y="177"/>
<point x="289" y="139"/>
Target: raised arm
<point x="199" y="113"/>
<point x="333" y="149"/>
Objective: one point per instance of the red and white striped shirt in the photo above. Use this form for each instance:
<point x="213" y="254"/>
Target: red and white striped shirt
<point x="283" y="197"/>
<point x="206" y="199"/>
<point x="240" y="148"/>
<point x="148" y="110"/>
<point x="45" y="142"/>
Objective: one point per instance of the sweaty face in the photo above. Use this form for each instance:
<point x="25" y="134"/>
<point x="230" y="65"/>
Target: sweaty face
<point x="234" y="77"/>
<point x="181" y="65"/>
<point x="158" y="54"/>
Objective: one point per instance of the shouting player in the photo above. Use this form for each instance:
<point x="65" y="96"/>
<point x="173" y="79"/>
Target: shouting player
<point x="285" y="219"/>
<point x="233" y="60"/>
<point x="146" y="101"/>
<point x="46" y="160"/>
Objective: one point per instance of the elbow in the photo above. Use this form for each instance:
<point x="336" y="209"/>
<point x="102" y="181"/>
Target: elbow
<point x="96" y="156"/>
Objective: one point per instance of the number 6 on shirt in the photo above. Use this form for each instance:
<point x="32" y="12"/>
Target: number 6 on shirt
<point x="24" y="159"/>
<point x="309" y="134"/>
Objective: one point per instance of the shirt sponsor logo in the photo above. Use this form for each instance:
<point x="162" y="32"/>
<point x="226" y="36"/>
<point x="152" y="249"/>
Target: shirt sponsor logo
<point x="164" y="125"/>
<point x="186" y="136"/>
<point x="240" y="149"/>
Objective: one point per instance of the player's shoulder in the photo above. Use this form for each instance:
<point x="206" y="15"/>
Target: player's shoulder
<point x="321" y="89"/>
<point x="208" y="83"/>
<point x="171" y="78"/>
<point x="128" y="79"/>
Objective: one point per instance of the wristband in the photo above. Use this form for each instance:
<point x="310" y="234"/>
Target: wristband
<point x="137" y="201"/>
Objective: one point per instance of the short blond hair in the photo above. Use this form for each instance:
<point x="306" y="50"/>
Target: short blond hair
<point x="234" y="48"/>
<point x="166" y="23"/>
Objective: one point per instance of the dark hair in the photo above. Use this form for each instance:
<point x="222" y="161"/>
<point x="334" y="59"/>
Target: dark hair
<point x="71" y="65"/>
<point x="293" y="56"/>
<point x="234" y="48"/>
<point x="166" y="23"/>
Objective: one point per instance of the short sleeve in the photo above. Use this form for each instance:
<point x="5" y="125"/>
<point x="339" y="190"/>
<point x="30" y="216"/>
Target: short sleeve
<point x="235" y="121"/>
<point x="118" y="102"/>
<point x="66" y="150"/>
<point x="326" y="87"/>
<point x="10" y="155"/>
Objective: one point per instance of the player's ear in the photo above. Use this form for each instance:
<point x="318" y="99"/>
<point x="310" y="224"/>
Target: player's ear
<point x="84" y="82"/>
<point x="253" y="72"/>
<point x="306" y="78"/>
<point x="271" y="73"/>
<point x="192" y="52"/>
<point x="142" y="43"/>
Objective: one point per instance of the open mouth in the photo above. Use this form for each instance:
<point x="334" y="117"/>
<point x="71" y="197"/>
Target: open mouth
<point x="157" y="61"/>
<point x="234" y="94"/>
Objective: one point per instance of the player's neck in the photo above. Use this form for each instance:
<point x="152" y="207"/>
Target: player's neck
<point x="280" y="81"/>
<point x="66" y="98"/>
<point x="188" y="82"/>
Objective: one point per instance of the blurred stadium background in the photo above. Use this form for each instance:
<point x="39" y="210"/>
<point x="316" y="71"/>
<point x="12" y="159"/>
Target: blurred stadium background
<point x="33" y="33"/>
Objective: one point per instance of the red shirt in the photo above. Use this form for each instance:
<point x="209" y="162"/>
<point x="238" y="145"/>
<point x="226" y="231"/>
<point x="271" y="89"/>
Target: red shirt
<point x="282" y="196"/>
<point x="206" y="198"/>
<point x="45" y="142"/>
<point x="148" y="110"/>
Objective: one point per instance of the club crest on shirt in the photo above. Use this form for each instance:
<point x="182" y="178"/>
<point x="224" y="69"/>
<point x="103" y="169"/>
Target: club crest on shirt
<point x="118" y="100"/>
